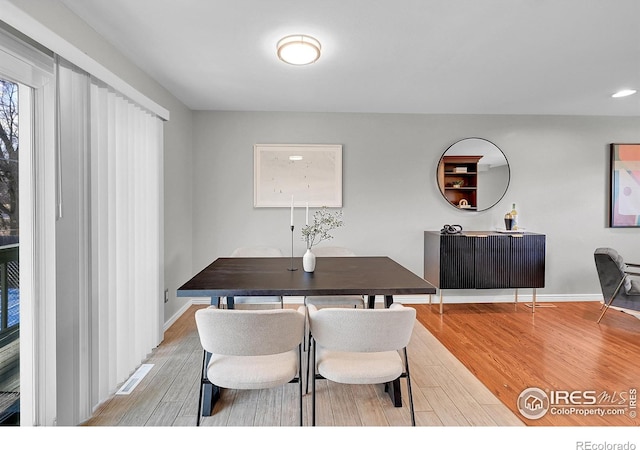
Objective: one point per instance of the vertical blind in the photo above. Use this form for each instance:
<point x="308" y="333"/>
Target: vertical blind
<point x="110" y="223"/>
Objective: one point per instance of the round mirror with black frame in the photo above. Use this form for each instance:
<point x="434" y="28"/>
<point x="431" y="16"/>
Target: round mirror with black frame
<point x="473" y="174"/>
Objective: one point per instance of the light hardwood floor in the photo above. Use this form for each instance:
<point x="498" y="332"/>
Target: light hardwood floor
<point x="445" y="392"/>
<point x="559" y="348"/>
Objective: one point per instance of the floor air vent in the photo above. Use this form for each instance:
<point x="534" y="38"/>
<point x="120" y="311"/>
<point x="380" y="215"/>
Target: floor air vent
<point x="134" y="379"/>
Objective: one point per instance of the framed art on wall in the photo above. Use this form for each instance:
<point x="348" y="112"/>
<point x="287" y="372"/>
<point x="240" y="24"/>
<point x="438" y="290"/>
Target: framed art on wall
<point x="308" y="174"/>
<point x="624" y="196"/>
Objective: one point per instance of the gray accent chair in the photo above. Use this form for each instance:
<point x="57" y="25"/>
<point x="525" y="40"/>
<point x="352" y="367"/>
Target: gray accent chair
<point x="251" y="349"/>
<point x="616" y="280"/>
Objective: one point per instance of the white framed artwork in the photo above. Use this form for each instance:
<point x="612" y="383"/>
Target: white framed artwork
<point x="298" y="174"/>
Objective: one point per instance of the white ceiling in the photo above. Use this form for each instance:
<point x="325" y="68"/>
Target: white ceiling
<point x="395" y="56"/>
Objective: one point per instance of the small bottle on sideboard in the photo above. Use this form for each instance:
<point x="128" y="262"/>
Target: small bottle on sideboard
<point x="508" y="221"/>
<point x="514" y="217"/>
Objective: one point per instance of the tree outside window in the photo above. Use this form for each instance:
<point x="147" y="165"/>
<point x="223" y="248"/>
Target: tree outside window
<point x="9" y="159"/>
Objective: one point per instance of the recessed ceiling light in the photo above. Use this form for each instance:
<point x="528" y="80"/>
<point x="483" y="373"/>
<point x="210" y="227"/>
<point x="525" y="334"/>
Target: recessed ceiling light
<point x="295" y="158"/>
<point x="298" y="49"/>
<point x="624" y="93"/>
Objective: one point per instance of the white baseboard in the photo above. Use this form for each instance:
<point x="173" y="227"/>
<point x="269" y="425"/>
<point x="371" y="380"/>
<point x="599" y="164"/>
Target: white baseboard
<point x="180" y="312"/>
<point x="502" y="298"/>
<point x="481" y="297"/>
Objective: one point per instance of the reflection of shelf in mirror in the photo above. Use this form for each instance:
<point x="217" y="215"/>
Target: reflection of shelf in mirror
<point x="480" y="166"/>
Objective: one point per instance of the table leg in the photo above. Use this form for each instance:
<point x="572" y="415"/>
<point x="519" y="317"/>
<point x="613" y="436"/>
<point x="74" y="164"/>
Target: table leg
<point x="388" y="300"/>
<point x="393" y="389"/>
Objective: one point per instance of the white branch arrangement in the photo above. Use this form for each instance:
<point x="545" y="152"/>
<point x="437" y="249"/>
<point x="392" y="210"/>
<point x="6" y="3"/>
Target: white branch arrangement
<point x="323" y="222"/>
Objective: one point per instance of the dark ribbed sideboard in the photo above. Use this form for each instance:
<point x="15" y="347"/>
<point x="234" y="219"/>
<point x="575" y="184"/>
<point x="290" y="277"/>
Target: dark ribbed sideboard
<point x="484" y="260"/>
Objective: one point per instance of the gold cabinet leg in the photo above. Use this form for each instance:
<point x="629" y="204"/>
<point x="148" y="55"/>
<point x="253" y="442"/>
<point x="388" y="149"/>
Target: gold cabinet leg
<point x="441" y="301"/>
<point x="533" y="301"/>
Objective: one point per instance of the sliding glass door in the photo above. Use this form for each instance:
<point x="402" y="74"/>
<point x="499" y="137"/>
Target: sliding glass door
<point x="27" y="239"/>
<point x="9" y="255"/>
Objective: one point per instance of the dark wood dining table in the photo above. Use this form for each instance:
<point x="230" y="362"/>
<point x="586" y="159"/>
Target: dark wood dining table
<point x="369" y="276"/>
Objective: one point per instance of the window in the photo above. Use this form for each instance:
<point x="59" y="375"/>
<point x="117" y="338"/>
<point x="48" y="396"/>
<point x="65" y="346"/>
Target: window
<point x="9" y="217"/>
<point x="28" y="99"/>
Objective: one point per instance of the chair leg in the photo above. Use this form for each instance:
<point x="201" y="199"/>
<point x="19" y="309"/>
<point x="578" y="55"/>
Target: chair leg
<point x="411" y="410"/>
<point x="306" y="389"/>
<point x="300" y="379"/>
<point x="204" y="357"/>
<point x="199" y="405"/>
<point x="606" y="307"/>
<point x="312" y="345"/>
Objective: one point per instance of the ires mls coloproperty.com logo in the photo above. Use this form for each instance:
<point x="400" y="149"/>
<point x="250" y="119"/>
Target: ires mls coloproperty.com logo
<point x="534" y="403"/>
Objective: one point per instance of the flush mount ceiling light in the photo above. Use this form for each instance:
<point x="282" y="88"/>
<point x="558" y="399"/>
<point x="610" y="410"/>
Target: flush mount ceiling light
<point x="298" y="49"/>
<point x="624" y="93"/>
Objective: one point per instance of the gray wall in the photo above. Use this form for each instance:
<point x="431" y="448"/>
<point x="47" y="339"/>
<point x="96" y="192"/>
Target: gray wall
<point x="559" y="181"/>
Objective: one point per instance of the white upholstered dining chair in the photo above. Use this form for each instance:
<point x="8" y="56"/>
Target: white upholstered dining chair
<point x="257" y="252"/>
<point x="320" y="301"/>
<point x="250" y="349"/>
<point x="361" y="346"/>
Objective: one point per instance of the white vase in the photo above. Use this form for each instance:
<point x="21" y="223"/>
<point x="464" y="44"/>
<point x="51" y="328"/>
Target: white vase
<point x="309" y="261"/>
